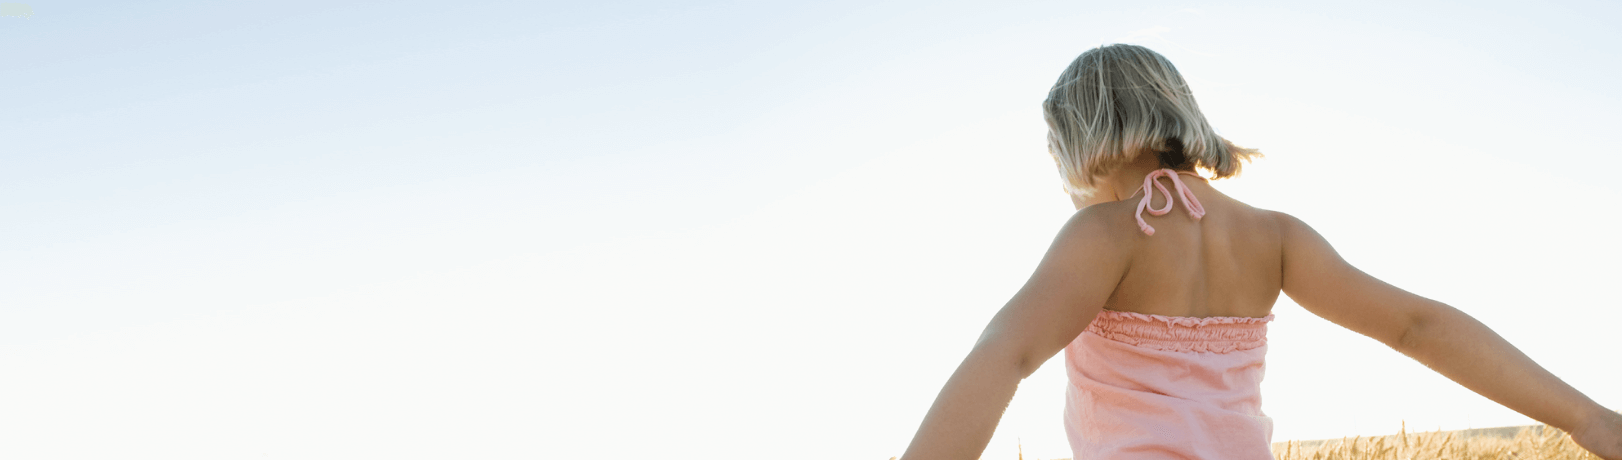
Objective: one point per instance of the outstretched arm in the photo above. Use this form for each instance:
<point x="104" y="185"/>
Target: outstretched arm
<point x="1061" y="298"/>
<point x="1441" y="337"/>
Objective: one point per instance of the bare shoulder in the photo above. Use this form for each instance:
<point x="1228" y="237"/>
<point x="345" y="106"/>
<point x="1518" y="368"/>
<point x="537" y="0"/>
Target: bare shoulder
<point x="1292" y="230"/>
<point x="1104" y="222"/>
<point x="1249" y="217"/>
<point x="1283" y="220"/>
<point x="1097" y="236"/>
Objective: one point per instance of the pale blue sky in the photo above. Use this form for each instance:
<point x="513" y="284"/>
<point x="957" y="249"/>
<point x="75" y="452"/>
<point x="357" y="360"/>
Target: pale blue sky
<point x="742" y="230"/>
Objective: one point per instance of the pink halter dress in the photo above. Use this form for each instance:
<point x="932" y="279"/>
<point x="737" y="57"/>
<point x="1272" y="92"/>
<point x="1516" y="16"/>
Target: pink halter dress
<point x="1167" y="387"/>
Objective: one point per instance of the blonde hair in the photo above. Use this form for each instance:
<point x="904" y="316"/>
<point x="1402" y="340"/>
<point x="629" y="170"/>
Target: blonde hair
<point x="1117" y="101"/>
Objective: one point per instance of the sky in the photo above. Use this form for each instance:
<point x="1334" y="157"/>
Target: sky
<point x="727" y="229"/>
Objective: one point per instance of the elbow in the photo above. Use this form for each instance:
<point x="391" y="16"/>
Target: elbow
<point x="1007" y="360"/>
<point x="1407" y="339"/>
<point x="1007" y="353"/>
<point x="1028" y="365"/>
<point x="1417" y="325"/>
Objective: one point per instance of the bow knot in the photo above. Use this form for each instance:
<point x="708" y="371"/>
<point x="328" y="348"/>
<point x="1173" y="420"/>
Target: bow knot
<point x="1189" y="201"/>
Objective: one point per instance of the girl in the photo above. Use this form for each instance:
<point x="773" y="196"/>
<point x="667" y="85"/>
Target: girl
<point x="1163" y="319"/>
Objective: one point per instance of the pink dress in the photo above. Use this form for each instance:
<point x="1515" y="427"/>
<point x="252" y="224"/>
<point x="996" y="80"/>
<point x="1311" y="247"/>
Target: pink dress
<point x="1167" y="387"/>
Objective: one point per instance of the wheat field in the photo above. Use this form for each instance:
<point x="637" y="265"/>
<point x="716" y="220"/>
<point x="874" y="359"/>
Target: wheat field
<point x="1540" y="442"/>
<point x="1535" y="442"/>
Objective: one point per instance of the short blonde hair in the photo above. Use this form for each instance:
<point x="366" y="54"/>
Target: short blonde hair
<point x="1117" y="101"/>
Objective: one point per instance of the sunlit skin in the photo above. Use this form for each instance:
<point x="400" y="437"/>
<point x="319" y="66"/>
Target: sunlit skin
<point x="1243" y="258"/>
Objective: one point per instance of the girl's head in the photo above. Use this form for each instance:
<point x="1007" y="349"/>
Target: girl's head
<point x="1118" y="101"/>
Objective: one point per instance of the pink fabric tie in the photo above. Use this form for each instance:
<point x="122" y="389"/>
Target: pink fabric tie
<point x="1189" y="201"/>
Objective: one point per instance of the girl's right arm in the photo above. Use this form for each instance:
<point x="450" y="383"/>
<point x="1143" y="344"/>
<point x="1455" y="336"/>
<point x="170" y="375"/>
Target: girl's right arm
<point x="1441" y="337"/>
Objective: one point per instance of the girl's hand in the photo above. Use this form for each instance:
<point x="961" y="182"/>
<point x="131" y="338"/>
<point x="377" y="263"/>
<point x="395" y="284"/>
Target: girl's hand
<point x="1602" y="435"/>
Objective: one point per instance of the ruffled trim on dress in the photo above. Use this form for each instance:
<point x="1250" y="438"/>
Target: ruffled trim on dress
<point x="1216" y="334"/>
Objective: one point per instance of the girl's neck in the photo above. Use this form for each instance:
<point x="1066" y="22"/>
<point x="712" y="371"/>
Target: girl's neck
<point x="1128" y="180"/>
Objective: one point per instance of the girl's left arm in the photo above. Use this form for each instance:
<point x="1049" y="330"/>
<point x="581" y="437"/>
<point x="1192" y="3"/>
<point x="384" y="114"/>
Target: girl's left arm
<point x="1068" y="289"/>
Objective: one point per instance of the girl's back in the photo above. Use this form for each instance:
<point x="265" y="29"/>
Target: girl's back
<point x="1227" y="263"/>
<point x="1171" y="367"/>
